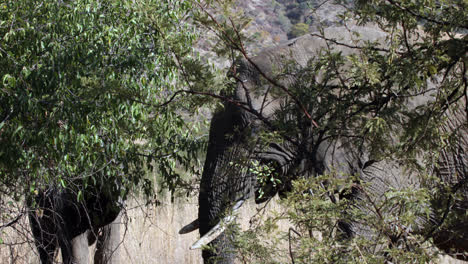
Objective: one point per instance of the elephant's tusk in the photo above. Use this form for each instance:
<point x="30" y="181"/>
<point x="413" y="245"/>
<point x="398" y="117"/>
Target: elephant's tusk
<point x="213" y="233"/>
<point x="217" y="229"/>
<point x="190" y="227"/>
<point x="237" y="205"/>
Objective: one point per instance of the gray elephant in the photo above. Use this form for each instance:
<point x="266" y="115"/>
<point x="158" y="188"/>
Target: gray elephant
<point x="58" y="218"/>
<point x="255" y="106"/>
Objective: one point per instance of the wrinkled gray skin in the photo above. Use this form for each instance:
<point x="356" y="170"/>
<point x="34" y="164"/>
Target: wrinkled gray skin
<point x="59" y="220"/>
<point x="223" y="184"/>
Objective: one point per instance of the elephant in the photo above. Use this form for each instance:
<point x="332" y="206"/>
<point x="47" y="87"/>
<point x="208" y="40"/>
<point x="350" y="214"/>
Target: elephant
<point x="59" y="218"/>
<point x="255" y="105"/>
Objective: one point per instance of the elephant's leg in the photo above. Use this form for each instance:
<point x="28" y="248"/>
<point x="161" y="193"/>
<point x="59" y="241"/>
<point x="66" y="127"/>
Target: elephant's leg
<point x="74" y="250"/>
<point x="44" y="238"/>
<point x="108" y="242"/>
<point x="80" y="249"/>
<point x="47" y="253"/>
<point x="66" y="248"/>
<point x="47" y="250"/>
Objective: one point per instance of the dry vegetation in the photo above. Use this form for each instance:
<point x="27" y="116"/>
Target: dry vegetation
<point x="149" y="234"/>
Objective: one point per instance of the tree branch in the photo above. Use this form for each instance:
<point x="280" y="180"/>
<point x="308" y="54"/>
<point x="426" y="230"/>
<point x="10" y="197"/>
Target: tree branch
<point x="12" y="222"/>
<point x="239" y="46"/>
<point x="407" y="10"/>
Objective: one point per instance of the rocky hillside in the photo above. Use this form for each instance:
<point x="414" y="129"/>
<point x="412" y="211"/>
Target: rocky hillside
<point x="274" y="21"/>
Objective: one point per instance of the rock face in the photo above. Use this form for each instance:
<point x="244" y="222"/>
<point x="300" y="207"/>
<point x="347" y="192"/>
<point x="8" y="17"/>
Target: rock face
<point x="272" y="21"/>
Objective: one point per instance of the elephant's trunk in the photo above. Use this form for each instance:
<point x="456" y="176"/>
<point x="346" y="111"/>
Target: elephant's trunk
<point x="223" y="181"/>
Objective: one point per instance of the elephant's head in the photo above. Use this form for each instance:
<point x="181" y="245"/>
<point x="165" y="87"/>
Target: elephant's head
<point x="260" y="102"/>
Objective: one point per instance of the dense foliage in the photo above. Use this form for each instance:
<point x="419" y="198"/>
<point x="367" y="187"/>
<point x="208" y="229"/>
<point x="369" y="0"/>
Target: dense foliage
<point x="82" y="92"/>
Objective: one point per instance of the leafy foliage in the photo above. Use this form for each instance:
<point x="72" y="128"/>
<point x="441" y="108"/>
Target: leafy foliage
<point x="315" y="235"/>
<point x="82" y="90"/>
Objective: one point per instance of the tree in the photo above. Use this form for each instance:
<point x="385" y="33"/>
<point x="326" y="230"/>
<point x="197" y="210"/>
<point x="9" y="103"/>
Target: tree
<point x="83" y="95"/>
<point x="365" y="97"/>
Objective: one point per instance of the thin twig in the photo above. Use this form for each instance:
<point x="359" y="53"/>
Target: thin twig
<point x="12" y="222"/>
<point x="291" y="254"/>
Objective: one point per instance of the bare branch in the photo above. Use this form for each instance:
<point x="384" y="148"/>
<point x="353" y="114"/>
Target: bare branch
<point x="12" y="222"/>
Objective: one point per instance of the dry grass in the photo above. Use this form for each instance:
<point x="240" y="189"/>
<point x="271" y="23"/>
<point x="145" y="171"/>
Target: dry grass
<point x="150" y="235"/>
